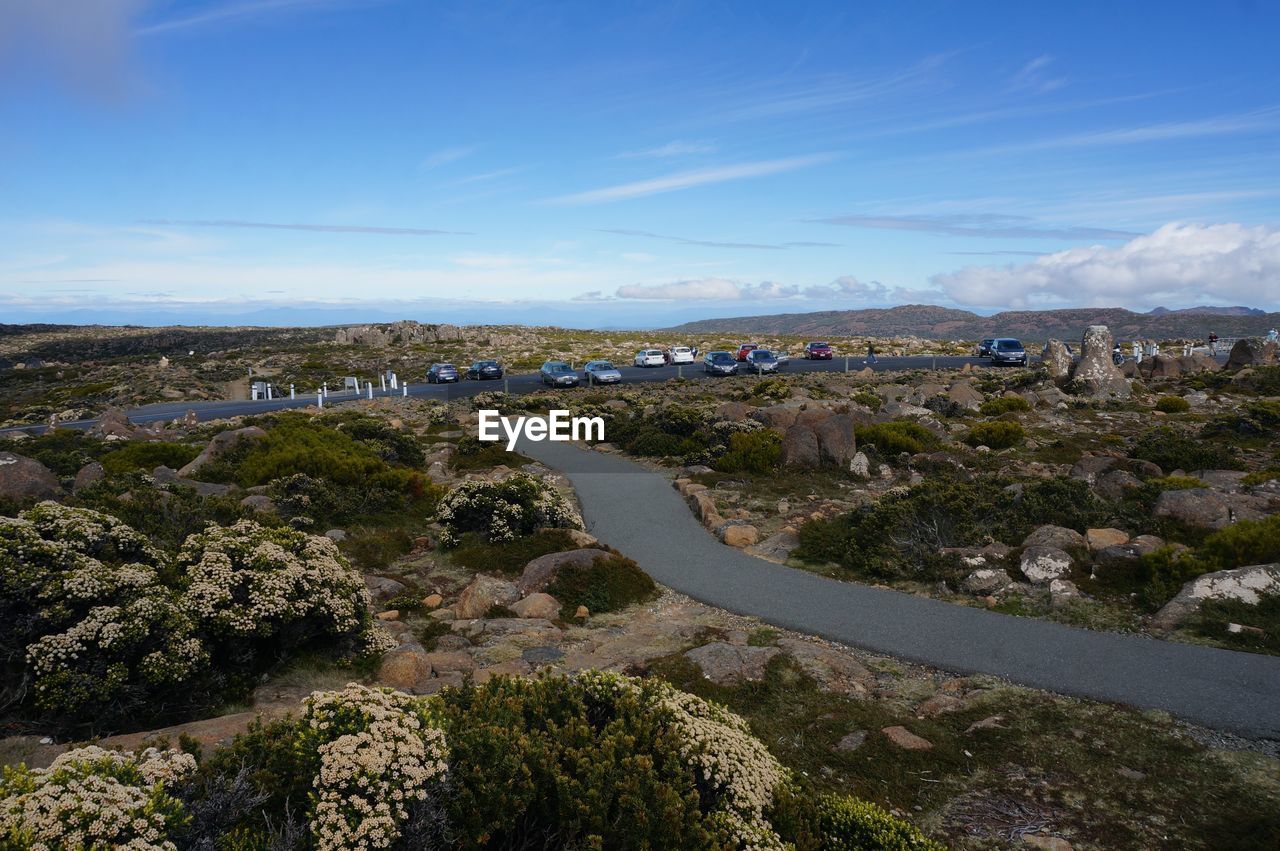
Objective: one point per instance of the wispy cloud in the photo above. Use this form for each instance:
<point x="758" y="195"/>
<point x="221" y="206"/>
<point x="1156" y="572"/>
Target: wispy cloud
<point x="446" y="156"/>
<point x="676" y="148"/>
<point x="1035" y="77"/>
<point x="716" y="244"/>
<point x="988" y="225"/>
<point x="708" y="289"/>
<point x="236" y="223"/>
<point x="233" y="12"/>
<point x="488" y="175"/>
<point x="689" y="179"/>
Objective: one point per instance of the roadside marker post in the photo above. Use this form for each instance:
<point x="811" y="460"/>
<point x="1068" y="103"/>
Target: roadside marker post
<point x="506" y="385"/>
<point x="291" y="394"/>
<point x="319" y="400"/>
<point x="383" y="380"/>
<point x="846" y="363"/>
<point x="679" y="370"/>
<point x="405" y="388"/>
<point x="370" y="389"/>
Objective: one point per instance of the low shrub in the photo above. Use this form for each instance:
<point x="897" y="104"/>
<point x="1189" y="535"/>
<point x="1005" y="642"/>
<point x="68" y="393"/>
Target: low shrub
<point x="1258" y="418"/>
<point x="598" y="760"/>
<point x="1264" y="618"/>
<point x="892" y="438"/>
<point x="867" y="400"/>
<point x="147" y="455"/>
<point x="608" y="584"/>
<point x="1003" y="405"/>
<point x="510" y="557"/>
<point x="773" y="389"/>
<point x="1175" y="483"/>
<point x="1172" y="405"/>
<point x="1171" y="450"/>
<point x="98" y="627"/>
<point x="996" y="435"/>
<point x="503" y="511"/>
<point x="64" y="450"/>
<point x="757" y="451"/>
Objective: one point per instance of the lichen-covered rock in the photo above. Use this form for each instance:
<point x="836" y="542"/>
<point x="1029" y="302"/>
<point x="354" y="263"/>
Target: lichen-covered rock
<point x="726" y="664"/>
<point x="541" y="572"/>
<point x="986" y="580"/>
<point x="1250" y="352"/>
<point x="1096" y="373"/>
<point x="1054" y="536"/>
<point x="1042" y="565"/>
<point x="1246" y="584"/>
<point x="1057" y="361"/>
<point x="1209" y="509"/>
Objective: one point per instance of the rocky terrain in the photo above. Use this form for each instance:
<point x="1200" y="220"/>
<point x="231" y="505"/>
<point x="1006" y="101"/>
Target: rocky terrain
<point x="1142" y="501"/>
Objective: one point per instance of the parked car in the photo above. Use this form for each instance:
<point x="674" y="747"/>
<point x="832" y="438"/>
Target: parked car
<point x="680" y="354"/>
<point x="818" y="351"/>
<point x="745" y="349"/>
<point x="442" y="373"/>
<point x="482" y="369"/>
<point x="1008" y="350"/>
<point x="557" y="373"/>
<point x="762" y="361"/>
<point x="983" y="349"/>
<point x="719" y="363"/>
<point x="601" y="372"/>
<point x="650" y="357"/>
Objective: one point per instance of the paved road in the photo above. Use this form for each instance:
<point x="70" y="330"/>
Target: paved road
<point x="515" y="383"/>
<point x="643" y="516"/>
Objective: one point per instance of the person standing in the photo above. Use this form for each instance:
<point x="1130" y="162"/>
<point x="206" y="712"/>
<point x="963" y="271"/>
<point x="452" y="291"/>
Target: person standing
<point x="871" y="353"/>
<point x="1213" y="344"/>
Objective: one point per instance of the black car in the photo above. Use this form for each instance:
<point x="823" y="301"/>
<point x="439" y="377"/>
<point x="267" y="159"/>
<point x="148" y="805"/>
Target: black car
<point x="557" y="373"/>
<point x="984" y="348"/>
<point x="1008" y="350"/>
<point x="483" y="369"/>
<point x="442" y="373"/>
<point x="761" y="361"/>
<point x="719" y="363"/>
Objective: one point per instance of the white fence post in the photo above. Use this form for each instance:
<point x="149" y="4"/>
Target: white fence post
<point x="405" y="388"/>
<point x="291" y="393"/>
<point x="319" y="400"/>
<point x="370" y="389"/>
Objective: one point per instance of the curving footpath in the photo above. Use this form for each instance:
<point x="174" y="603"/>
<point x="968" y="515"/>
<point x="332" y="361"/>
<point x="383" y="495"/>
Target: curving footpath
<point x="639" y="513"/>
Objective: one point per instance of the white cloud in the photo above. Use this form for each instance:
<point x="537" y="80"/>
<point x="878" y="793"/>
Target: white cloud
<point x="849" y="287"/>
<point x="1179" y="263"/>
<point x="238" y="12"/>
<point x="446" y="156"/>
<point x="689" y="179"/>
<point x="709" y="289"/>
<point x="1033" y="77"/>
<point x="671" y="149"/>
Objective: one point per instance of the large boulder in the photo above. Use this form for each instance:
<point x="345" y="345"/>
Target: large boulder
<point x="406" y="668"/>
<point x="1057" y="361"/>
<point x="818" y="438"/>
<point x="1250" y="351"/>
<point x="220" y="445"/>
<point x="484" y="593"/>
<point x="1096" y="373"/>
<point x="1165" y="366"/>
<point x="1209" y="509"/>
<point x="537" y="605"/>
<point x="1054" y="536"/>
<point x="88" y="475"/>
<point x="541" y="572"/>
<point x="965" y="395"/>
<point x="726" y="664"/>
<point x="23" y="478"/>
<point x="800" y="448"/>
<point x="1246" y="584"/>
<point x="1042" y="565"/>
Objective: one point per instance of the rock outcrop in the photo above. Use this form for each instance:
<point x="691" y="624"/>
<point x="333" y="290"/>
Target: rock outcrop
<point x="1246" y="584"/>
<point x="1057" y="361"/>
<point x="1096" y="373"/>
<point x="403" y="333"/>
<point x="1250" y="351"/>
<point x="23" y="478"/>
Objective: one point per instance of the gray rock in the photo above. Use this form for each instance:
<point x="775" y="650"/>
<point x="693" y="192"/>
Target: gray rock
<point x="541" y="572"/>
<point x="1250" y="352"/>
<point x="23" y="478"/>
<point x="484" y="593"/>
<point x="336" y="535"/>
<point x="88" y="475"/>
<point x="260" y="503"/>
<point x="1057" y="361"/>
<point x="987" y="580"/>
<point x="382" y="588"/>
<point x="168" y="476"/>
<point x="1113" y="484"/>
<point x="220" y="445"/>
<point x="1041" y="565"/>
<point x="537" y="605"/>
<point x="1054" y="536"/>
<point x="851" y="741"/>
<point x="778" y="546"/>
<point x="726" y="664"/>
<point x="1246" y="584"/>
<point x="542" y="655"/>
<point x="860" y="465"/>
<point x="1209" y="509"/>
<point x="1096" y="373"/>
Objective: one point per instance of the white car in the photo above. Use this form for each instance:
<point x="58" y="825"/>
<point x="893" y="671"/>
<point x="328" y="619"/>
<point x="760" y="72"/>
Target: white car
<point x="681" y="354"/>
<point x="650" y="357"/>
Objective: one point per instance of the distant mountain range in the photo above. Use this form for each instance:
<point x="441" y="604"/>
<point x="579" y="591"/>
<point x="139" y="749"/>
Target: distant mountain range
<point x="945" y="323"/>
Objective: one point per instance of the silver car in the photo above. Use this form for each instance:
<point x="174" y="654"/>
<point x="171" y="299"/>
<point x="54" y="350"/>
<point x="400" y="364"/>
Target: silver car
<point x="557" y="373"/>
<point x="601" y="372"/>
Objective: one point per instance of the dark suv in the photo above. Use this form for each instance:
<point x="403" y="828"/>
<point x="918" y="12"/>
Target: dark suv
<point x="442" y="373"/>
<point x="719" y="363"/>
<point x="1008" y="350"/>
<point x="482" y="369"/>
<point x="818" y="351"/>
<point x="983" y="349"/>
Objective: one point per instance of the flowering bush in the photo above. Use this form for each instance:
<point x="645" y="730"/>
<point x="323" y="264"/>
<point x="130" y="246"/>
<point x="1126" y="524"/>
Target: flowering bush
<point x="97" y="625"/>
<point x="94" y="799"/>
<point x="379" y="754"/>
<point x="502" y="511"/>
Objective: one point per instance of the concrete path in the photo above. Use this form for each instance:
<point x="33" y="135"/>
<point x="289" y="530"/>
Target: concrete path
<point x="639" y="513"/>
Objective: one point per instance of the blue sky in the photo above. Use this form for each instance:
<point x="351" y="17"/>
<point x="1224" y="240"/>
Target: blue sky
<point x="618" y="162"/>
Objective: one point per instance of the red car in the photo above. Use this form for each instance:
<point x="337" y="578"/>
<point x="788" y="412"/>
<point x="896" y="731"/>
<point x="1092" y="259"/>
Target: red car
<point x="818" y="351"/>
<point x="746" y="349"/>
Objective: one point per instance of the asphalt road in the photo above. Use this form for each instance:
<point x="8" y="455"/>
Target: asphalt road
<point x="515" y="383"/>
<point x="640" y="514"/>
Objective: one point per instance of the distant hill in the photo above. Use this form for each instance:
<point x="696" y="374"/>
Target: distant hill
<point x="944" y="323"/>
<point x="1206" y="310"/>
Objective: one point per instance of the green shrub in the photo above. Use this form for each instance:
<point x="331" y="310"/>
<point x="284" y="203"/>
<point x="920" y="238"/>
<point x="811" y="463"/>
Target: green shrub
<point x="1258" y="418"/>
<point x="756" y="451"/>
<point x="608" y="584"/>
<point x="867" y="400"/>
<point x="1172" y="405"/>
<point x="147" y="455"/>
<point x="1003" y="405"/>
<point x="64" y="450"/>
<point x="1259" y="477"/>
<point x="775" y="389"/>
<point x="996" y="435"/>
<point x="510" y="557"/>
<point x="895" y="437"/>
<point x="1175" y="483"/>
<point x="1173" y="450"/>
<point x="1243" y="543"/>
<point x="811" y="822"/>
<point x="1214" y="615"/>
